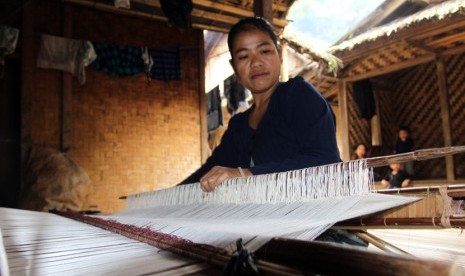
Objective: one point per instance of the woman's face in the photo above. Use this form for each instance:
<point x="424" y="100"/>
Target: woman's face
<point x="255" y="61"/>
<point x="361" y="151"/>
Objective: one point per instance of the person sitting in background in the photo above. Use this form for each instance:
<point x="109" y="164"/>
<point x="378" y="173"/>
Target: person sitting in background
<point x="397" y="178"/>
<point x="360" y="152"/>
<point x="404" y="144"/>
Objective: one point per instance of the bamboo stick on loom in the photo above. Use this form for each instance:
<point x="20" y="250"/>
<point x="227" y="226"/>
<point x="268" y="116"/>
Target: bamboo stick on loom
<point x="209" y="254"/>
<point x="421" y="222"/>
<point x="418" y="155"/>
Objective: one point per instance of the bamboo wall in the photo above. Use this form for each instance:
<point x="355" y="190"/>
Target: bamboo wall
<point x="416" y="105"/>
<point x="455" y="66"/>
<point x="412" y="99"/>
<point x="359" y="128"/>
<point x="128" y="135"/>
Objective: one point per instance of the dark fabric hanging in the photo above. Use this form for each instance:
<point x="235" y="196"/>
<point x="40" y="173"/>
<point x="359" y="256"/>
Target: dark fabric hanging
<point x="178" y="12"/>
<point x="214" y="112"/>
<point x="118" y="60"/>
<point x="166" y="64"/>
<point x="234" y="92"/>
<point x="363" y="96"/>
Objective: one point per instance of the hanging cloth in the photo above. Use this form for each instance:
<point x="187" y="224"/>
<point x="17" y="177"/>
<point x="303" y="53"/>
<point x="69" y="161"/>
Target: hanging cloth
<point x="234" y="92"/>
<point x="8" y="41"/>
<point x="69" y="55"/>
<point x="214" y="113"/>
<point x="118" y="60"/>
<point x="163" y="63"/>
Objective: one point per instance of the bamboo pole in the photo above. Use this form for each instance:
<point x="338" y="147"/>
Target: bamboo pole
<point x="418" y="155"/>
<point x="393" y="223"/>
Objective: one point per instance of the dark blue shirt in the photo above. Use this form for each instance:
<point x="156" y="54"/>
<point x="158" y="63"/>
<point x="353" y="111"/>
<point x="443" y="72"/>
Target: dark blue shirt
<point x="297" y="131"/>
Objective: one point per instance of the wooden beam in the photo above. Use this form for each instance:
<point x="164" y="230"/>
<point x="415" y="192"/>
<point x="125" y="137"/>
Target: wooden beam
<point x="204" y="149"/>
<point x="453" y="51"/>
<point x="112" y="9"/>
<point x="284" y="61"/>
<point x="398" y="223"/>
<point x="344" y="119"/>
<point x="263" y="8"/>
<point x="392" y="68"/>
<point x="445" y="115"/>
<point x="447" y="39"/>
<point x="221" y="7"/>
<point x="328" y="258"/>
<point x="28" y="68"/>
<point x="67" y="88"/>
<point x="376" y="136"/>
<point x="214" y="16"/>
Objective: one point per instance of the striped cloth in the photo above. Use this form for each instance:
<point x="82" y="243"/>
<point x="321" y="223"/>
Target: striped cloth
<point x="166" y="64"/>
<point x="118" y="60"/>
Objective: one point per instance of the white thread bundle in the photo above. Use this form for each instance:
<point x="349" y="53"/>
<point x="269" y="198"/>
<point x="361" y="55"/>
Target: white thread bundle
<point x="335" y="180"/>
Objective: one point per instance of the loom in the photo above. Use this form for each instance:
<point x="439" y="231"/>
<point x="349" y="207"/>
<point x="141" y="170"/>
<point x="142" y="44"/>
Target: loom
<point x="182" y="230"/>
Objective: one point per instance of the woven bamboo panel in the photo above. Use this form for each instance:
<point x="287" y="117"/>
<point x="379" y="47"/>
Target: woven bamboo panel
<point x="387" y="56"/>
<point x="359" y="128"/>
<point x="388" y="122"/>
<point x="416" y="105"/>
<point x="456" y="86"/>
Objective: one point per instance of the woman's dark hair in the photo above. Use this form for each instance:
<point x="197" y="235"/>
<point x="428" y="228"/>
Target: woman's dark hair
<point x="248" y="24"/>
<point x="404" y="128"/>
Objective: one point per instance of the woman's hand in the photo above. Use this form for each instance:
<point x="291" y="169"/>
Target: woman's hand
<point x="217" y="175"/>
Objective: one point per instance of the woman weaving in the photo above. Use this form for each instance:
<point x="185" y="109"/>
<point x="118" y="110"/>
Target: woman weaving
<point x="289" y="126"/>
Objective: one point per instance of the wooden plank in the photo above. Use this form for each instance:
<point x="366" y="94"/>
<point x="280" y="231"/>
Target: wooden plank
<point x="284" y="61"/>
<point x="398" y="223"/>
<point x="344" y="120"/>
<point x="240" y="11"/>
<point x="326" y="258"/>
<point x="204" y="149"/>
<point x="28" y="65"/>
<point x="376" y="136"/>
<point x="447" y="39"/>
<point x="112" y="9"/>
<point x="392" y="68"/>
<point x="67" y="89"/>
<point x="445" y="115"/>
<point x="263" y="8"/>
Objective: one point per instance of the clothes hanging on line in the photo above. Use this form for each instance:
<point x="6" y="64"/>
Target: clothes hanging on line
<point x="214" y="112"/>
<point x="162" y="63"/>
<point x="235" y="94"/>
<point x="118" y="60"/>
<point x="8" y="41"/>
<point x="69" y="55"/>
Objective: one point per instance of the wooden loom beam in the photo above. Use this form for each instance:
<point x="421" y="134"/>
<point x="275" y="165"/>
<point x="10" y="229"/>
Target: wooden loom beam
<point x="209" y="254"/>
<point x="391" y="223"/>
<point x="333" y="259"/>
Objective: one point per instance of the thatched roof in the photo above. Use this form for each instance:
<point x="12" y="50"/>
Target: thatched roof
<point x="436" y="12"/>
<point x="327" y="63"/>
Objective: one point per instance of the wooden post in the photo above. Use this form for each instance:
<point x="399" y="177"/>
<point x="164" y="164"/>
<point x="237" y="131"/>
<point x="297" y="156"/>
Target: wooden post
<point x="204" y="149"/>
<point x="264" y="8"/>
<point x="28" y="60"/>
<point x="445" y="115"/>
<point x="284" y="62"/>
<point x="376" y="137"/>
<point x="67" y="89"/>
<point x="344" y="119"/>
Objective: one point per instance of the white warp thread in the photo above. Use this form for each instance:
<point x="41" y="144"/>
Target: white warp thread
<point x="222" y="224"/>
<point x="334" y="180"/>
